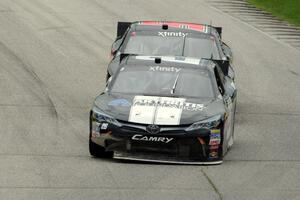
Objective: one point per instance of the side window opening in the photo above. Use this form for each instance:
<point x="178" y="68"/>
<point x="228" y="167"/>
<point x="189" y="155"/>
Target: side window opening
<point x="219" y="81"/>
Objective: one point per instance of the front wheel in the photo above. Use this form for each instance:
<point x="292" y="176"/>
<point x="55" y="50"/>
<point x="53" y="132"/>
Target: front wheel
<point x="98" y="151"/>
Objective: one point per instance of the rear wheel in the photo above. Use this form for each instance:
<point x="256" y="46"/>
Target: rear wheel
<point x="231" y="140"/>
<point x="107" y="76"/>
<point x="98" y="151"/>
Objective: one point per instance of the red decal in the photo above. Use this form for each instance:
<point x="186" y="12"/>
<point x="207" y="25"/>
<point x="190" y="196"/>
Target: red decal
<point x="214" y="147"/>
<point x="201" y="140"/>
<point x="183" y="25"/>
<point x="214" y="142"/>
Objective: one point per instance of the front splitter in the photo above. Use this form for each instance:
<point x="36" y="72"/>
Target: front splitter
<point x="145" y="158"/>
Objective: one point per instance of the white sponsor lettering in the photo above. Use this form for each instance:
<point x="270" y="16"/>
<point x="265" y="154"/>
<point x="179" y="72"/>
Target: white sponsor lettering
<point x="160" y="110"/>
<point x="152" y="138"/>
<point x="167" y="102"/>
<point x="172" y="34"/>
<point x="168" y="140"/>
<point x="165" y="69"/>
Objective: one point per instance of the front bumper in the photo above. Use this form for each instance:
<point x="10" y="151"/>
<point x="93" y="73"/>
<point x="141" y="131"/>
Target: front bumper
<point x="172" y="144"/>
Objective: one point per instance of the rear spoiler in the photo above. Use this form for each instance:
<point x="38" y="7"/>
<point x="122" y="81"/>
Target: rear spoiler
<point x="219" y="30"/>
<point x="122" y="27"/>
<point x="224" y="65"/>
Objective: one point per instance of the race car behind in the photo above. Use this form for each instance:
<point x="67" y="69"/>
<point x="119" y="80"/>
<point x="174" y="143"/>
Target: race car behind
<point x="169" y="39"/>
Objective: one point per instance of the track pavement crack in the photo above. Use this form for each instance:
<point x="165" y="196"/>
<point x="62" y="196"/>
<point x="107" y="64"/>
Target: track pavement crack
<point x="30" y="75"/>
<point x="212" y="184"/>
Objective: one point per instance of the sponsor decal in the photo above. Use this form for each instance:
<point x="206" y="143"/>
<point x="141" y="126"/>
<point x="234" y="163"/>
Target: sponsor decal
<point x="213" y="147"/>
<point x="172" y="34"/>
<point x="213" y="154"/>
<point x="184" y="26"/>
<point x="192" y="26"/>
<point x="152" y="138"/>
<point x="119" y="102"/>
<point x="215" y="137"/>
<point x="133" y="33"/>
<point x="160" y="110"/>
<point x="214" y="142"/>
<point x="164" y="69"/>
<point x="141" y="113"/>
<point x="215" y="131"/>
<point x="168" y="102"/>
<point x="104" y="126"/>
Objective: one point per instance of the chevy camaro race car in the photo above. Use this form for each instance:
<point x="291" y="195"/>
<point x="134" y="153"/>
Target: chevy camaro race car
<point x="165" y="109"/>
<point x="169" y="39"/>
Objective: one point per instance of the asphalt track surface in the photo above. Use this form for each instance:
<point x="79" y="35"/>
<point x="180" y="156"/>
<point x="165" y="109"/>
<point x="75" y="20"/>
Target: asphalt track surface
<point x="53" y="58"/>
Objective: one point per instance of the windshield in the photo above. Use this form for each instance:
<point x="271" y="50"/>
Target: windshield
<point x="188" y="45"/>
<point x="164" y="81"/>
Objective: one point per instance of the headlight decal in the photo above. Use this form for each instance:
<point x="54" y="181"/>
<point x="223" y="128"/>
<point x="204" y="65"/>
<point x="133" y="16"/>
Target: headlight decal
<point x="99" y="129"/>
<point x="95" y="129"/>
<point x="209" y="123"/>
<point x="104" y="126"/>
<point x="103" y="118"/>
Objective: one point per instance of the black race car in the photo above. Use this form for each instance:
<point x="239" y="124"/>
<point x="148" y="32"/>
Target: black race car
<point x="169" y="39"/>
<point x="165" y="109"/>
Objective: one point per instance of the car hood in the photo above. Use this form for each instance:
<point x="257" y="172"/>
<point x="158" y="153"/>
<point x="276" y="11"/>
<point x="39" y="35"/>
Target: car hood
<point x="146" y="109"/>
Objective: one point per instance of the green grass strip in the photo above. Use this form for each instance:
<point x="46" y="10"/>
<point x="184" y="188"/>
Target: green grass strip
<point x="288" y="10"/>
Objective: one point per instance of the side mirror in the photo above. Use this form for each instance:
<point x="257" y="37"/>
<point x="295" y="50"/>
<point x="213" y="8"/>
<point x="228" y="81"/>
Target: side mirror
<point x="108" y="83"/>
<point x="224" y="65"/>
<point x="115" y="46"/>
<point x="226" y="51"/>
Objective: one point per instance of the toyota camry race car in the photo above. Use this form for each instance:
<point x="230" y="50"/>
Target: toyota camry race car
<point x="169" y="39"/>
<point x="165" y="109"/>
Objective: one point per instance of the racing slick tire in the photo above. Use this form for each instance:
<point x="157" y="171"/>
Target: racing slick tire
<point x="98" y="151"/>
<point x="107" y="76"/>
<point x="232" y="136"/>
